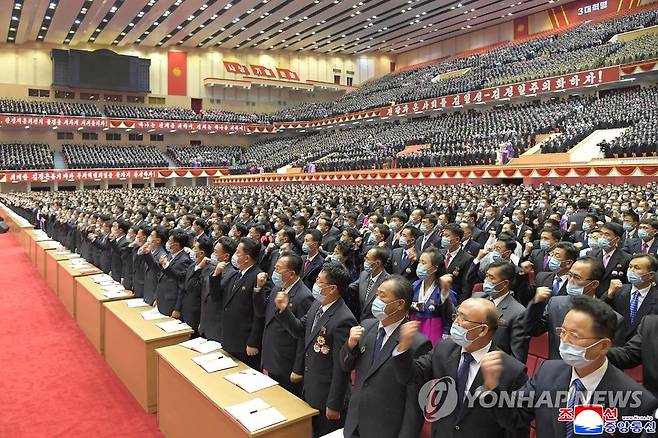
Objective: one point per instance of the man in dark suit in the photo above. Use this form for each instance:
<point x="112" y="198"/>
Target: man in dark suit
<point x="171" y="275"/>
<point x="138" y="260"/>
<point x="312" y="259"/>
<point x="364" y="290"/>
<point x="379" y="405"/>
<point x="614" y="259"/>
<point x="584" y="374"/>
<point x="210" y="323"/>
<point x="634" y="301"/>
<point x="283" y="354"/>
<point x="642" y="348"/>
<point x="118" y="248"/>
<point x="127" y="259"/>
<point x="562" y="257"/>
<point x="456" y="361"/>
<point x="456" y="260"/>
<point x="283" y="242"/>
<point x="404" y="258"/>
<point x="518" y="218"/>
<point x="102" y="245"/>
<point x="469" y="243"/>
<point x="324" y="329"/>
<point x="152" y="251"/>
<point x="546" y="313"/>
<point x="242" y="310"/>
<point x="588" y="226"/>
<point x="196" y="277"/>
<point x="539" y="257"/>
<point x="328" y="239"/>
<point x="579" y="216"/>
<point x="431" y="236"/>
<point x="488" y="223"/>
<point x="646" y="242"/>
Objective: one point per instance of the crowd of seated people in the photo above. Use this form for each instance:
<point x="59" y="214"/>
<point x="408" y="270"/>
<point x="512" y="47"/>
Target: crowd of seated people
<point x="97" y="156"/>
<point x="205" y="156"/>
<point x="615" y="109"/>
<point x="19" y="156"/>
<point x="48" y="108"/>
<point x="643" y="47"/>
<point x="184" y="114"/>
<point x="432" y="253"/>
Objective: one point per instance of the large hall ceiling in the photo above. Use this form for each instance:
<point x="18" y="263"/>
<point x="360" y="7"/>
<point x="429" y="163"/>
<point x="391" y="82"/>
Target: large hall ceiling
<point x="316" y="26"/>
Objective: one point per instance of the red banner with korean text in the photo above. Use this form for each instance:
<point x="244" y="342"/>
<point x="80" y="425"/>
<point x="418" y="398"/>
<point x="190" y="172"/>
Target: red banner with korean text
<point x="54" y="121"/>
<point x="69" y="175"/>
<point x="236" y="67"/>
<point x="263" y="72"/>
<point x="284" y="73"/>
<point x="583" y="10"/>
<point x="531" y="88"/>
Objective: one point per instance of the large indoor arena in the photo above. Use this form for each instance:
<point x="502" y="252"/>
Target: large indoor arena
<point x="328" y="218"/>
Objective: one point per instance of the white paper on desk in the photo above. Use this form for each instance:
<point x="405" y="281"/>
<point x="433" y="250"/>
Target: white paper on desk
<point x="173" y="326"/>
<point x="335" y="434"/>
<point x="113" y="288"/>
<point x="207" y="347"/>
<point x="251" y="380"/>
<point x="150" y="315"/>
<point x="115" y="294"/>
<point x="96" y="278"/>
<point x="191" y="343"/>
<point x="214" y="362"/>
<point x="107" y="282"/>
<point x="255" y="414"/>
<point x="136" y="302"/>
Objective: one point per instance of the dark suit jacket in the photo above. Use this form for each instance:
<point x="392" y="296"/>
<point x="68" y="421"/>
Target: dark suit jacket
<point x="467" y="422"/>
<point x="546" y="279"/>
<point x="309" y="275"/>
<point x="616" y="269"/>
<point x="118" y="248"/>
<point x="152" y="269"/>
<point x="169" y="290"/>
<point x="138" y="272"/>
<point x="282" y="352"/>
<point x="325" y="383"/>
<point x="472" y="247"/>
<point x="396" y="266"/>
<point x="458" y="267"/>
<point x="104" y="255"/>
<point x="190" y="299"/>
<point x="511" y="336"/>
<point x="537" y="259"/>
<point x="128" y="269"/>
<point x="555" y="375"/>
<point x="622" y="305"/>
<point x="640" y="349"/>
<point x="434" y="240"/>
<point x="549" y="315"/>
<point x="358" y="290"/>
<point x="210" y="323"/>
<point x="634" y="246"/>
<point x="379" y="405"/>
<point x="242" y="310"/>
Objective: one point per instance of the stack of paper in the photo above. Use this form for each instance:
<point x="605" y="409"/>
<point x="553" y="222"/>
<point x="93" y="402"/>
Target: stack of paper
<point x="173" y="326"/>
<point x="136" y="302"/>
<point x="115" y="293"/>
<point x="202" y="345"/>
<point x="251" y="380"/>
<point x="153" y="314"/>
<point x="214" y="362"/>
<point x="255" y="414"/>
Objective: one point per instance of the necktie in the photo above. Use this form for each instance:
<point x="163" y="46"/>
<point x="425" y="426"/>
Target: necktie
<point x="369" y="289"/>
<point x="318" y="315"/>
<point x="448" y="258"/>
<point x="306" y="265"/>
<point x="378" y="344"/>
<point x="404" y="256"/>
<point x="635" y="300"/>
<point x="579" y="390"/>
<point x="556" y="285"/>
<point x="462" y="374"/>
<point x="645" y="248"/>
<point x="606" y="259"/>
<point x="545" y="261"/>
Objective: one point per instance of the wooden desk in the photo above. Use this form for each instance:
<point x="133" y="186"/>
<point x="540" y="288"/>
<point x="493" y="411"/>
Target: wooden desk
<point x="66" y="285"/>
<point x="190" y="399"/>
<point x="90" y="312"/>
<point x="52" y="267"/>
<point x="34" y="236"/>
<point x="41" y="248"/>
<point x="130" y="344"/>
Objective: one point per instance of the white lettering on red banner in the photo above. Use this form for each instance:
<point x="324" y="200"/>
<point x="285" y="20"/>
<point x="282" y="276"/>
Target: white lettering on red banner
<point x="236" y="67"/>
<point x="594" y="7"/>
<point x="100" y="174"/>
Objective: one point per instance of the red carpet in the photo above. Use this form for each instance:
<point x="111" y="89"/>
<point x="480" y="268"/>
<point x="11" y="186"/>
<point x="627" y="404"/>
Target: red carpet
<point x="52" y="381"/>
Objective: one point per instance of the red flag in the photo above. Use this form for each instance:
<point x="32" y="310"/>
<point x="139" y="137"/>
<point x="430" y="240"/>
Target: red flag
<point x="177" y="73"/>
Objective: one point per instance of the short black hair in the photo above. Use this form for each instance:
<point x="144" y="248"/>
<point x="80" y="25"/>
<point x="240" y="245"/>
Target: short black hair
<point x="251" y="247"/>
<point x="241" y="229"/>
<point x="383" y="229"/>
<point x="615" y="228"/>
<point x="597" y="270"/>
<point x="455" y="229"/>
<point x="228" y="244"/>
<point x="570" y="250"/>
<point x="205" y="245"/>
<point x="161" y="233"/>
<point x="506" y="269"/>
<point x="380" y="253"/>
<point x="123" y="225"/>
<point x="337" y="274"/>
<point x="583" y="204"/>
<point x="402" y="289"/>
<point x="510" y="243"/>
<point x="292" y="262"/>
<point x="316" y="234"/>
<point x="200" y="222"/>
<point x="604" y="319"/>
<point x="180" y="237"/>
<point x="653" y="261"/>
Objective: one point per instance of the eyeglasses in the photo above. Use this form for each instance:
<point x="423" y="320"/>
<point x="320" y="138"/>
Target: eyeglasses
<point x="459" y="317"/>
<point x="577" y="277"/>
<point x="569" y="335"/>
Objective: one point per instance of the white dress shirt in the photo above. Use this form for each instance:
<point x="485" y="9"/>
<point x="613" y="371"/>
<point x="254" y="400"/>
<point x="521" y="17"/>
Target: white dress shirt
<point x="474" y="366"/>
<point x="590" y="381"/>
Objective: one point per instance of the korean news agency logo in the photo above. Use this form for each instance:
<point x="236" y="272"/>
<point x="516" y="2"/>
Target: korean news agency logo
<point x="438" y="398"/>
<point x="595" y="420"/>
